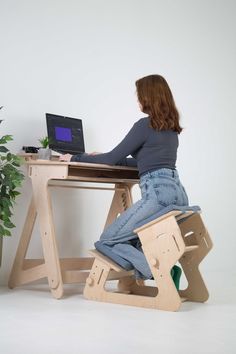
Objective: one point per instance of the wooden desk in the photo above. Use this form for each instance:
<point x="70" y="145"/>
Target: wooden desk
<point x="44" y="175"/>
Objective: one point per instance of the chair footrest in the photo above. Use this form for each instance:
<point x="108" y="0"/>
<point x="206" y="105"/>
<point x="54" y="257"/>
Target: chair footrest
<point x="106" y="260"/>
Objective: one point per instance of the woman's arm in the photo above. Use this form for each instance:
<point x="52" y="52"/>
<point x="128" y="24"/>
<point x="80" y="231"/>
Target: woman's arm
<point x="131" y="142"/>
<point x="128" y="161"/>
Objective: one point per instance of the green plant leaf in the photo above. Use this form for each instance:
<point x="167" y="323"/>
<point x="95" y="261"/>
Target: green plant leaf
<point x="15" y="163"/>
<point x="14" y="194"/>
<point x="9" y="158"/>
<point x="44" y="142"/>
<point x="8" y="224"/>
<point x="1" y="230"/>
<point x="3" y="149"/>
<point x="7" y="232"/>
<point x="4" y="139"/>
<point x="4" y="231"/>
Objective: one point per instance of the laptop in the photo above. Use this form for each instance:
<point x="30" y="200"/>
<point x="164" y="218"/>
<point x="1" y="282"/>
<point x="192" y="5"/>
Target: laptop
<point x="65" y="134"/>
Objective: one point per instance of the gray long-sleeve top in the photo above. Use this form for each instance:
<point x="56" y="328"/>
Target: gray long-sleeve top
<point x="150" y="149"/>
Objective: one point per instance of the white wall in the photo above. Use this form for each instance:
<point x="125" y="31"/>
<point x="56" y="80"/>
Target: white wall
<point x="81" y="59"/>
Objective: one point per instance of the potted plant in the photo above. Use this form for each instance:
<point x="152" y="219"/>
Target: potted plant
<point x="10" y="179"/>
<point x="44" y="152"/>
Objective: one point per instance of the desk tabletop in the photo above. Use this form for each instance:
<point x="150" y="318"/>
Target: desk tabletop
<point x="87" y="170"/>
<point x="31" y="159"/>
<point x="80" y="164"/>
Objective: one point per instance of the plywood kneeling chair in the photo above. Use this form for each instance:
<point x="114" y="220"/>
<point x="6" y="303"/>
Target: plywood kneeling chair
<point x="176" y="234"/>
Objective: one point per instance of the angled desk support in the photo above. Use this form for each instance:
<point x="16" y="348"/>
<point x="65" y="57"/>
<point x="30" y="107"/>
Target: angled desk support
<point x="44" y="174"/>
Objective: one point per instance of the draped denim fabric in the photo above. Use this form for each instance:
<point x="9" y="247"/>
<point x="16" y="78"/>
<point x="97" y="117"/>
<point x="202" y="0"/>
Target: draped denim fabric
<point x="159" y="189"/>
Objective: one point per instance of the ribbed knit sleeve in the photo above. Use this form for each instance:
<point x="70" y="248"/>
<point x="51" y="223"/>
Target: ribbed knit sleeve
<point x="131" y="143"/>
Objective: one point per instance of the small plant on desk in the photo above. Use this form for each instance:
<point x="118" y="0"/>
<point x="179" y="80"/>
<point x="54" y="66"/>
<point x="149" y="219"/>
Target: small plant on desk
<point x="44" y="152"/>
<point x="44" y="142"/>
<point x="10" y="179"/>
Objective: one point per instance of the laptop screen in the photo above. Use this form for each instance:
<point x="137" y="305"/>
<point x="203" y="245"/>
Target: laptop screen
<point x="65" y="134"/>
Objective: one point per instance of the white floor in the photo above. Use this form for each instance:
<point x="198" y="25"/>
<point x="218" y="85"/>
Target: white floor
<point x="32" y="322"/>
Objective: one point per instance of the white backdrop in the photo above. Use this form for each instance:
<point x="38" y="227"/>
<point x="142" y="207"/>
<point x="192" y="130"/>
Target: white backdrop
<point x="81" y="59"/>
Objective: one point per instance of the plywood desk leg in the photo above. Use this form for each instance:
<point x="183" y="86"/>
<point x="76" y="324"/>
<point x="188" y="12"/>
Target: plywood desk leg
<point x="122" y="200"/>
<point x="17" y="268"/>
<point x="40" y="177"/>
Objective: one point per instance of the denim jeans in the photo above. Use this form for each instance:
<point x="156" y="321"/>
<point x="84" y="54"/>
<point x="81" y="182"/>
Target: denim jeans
<point x="159" y="189"/>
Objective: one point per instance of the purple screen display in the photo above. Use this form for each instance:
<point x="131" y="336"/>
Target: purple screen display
<point x="63" y="134"/>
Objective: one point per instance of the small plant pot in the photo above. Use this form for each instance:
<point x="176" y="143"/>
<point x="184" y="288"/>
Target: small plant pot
<point x="44" y="154"/>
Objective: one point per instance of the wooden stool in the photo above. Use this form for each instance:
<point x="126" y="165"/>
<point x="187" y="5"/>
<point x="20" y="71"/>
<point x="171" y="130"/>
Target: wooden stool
<point x="170" y="238"/>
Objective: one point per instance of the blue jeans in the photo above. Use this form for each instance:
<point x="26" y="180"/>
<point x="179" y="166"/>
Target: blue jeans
<point x="159" y="189"/>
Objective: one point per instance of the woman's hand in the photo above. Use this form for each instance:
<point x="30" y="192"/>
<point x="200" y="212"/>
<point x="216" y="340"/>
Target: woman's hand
<point x="66" y="157"/>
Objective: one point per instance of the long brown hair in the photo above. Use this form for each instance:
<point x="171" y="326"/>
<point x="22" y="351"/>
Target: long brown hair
<point x="157" y="101"/>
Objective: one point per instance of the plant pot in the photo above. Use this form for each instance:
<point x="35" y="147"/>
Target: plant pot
<point x="44" y="154"/>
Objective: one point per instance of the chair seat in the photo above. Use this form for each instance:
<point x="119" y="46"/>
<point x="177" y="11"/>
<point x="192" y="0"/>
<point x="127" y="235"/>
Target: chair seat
<point x="107" y="251"/>
<point x="169" y="208"/>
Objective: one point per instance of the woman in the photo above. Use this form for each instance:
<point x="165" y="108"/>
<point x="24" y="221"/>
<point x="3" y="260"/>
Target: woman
<point x="152" y="142"/>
